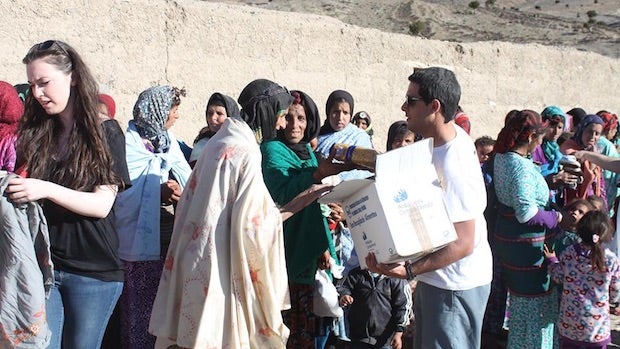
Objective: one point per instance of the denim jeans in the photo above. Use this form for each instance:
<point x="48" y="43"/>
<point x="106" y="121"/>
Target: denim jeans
<point x="78" y="310"/>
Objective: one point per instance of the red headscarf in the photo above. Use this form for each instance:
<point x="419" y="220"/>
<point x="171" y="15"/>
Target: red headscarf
<point x="518" y="129"/>
<point x="462" y="120"/>
<point x="11" y="109"/>
<point x="610" y="121"/>
<point x="109" y="103"/>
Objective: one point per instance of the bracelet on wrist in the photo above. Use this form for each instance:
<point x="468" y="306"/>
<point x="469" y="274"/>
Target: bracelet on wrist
<point x="410" y="274"/>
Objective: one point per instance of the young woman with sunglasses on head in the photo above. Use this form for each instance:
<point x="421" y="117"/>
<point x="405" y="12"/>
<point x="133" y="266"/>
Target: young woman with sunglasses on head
<point x="76" y="166"/>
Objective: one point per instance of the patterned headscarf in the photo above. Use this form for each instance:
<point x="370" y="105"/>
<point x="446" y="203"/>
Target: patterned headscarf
<point x="331" y="100"/>
<point x="261" y="101"/>
<point x="313" y="123"/>
<point x="11" y="109"/>
<point x="610" y="120"/>
<point x="583" y="124"/>
<point x="518" y="129"/>
<point x="150" y="114"/>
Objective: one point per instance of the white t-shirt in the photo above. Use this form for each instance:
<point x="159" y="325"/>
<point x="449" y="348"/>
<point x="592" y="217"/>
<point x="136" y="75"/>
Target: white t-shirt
<point x="465" y="198"/>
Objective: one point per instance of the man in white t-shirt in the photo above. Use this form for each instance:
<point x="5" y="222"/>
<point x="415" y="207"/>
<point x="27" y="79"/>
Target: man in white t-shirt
<point x="453" y="282"/>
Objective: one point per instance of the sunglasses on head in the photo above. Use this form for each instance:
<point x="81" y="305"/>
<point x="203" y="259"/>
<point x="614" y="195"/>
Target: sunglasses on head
<point x="51" y="45"/>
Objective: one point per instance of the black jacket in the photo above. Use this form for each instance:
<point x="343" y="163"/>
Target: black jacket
<point x="381" y="306"/>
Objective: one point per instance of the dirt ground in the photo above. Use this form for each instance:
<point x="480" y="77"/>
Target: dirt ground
<point x="591" y="25"/>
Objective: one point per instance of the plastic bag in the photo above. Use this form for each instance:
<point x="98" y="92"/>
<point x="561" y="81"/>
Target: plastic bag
<point x="325" y="296"/>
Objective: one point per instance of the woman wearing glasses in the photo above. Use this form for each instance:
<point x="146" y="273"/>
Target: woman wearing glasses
<point x="75" y="166"/>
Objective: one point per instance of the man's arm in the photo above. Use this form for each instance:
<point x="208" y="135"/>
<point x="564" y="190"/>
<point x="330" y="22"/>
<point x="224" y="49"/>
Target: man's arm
<point x="462" y="247"/>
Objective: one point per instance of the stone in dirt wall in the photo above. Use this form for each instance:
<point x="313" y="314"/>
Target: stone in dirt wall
<point x="207" y="47"/>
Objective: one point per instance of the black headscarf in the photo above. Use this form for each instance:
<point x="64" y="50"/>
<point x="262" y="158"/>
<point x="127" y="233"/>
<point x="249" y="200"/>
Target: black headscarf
<point x="313" y="123"/>
<point x="399" y="128"/>
<point x="232" y="110"/>
<point x="260" y="101"/>
<point x="333" y="98"/>
<point x="577" y="114"/>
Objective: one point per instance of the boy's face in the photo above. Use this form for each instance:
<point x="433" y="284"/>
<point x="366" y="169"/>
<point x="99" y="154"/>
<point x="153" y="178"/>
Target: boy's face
<point x="484" y="152"/>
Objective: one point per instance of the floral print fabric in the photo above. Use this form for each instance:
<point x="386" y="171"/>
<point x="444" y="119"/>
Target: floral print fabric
<point x="584" y="306"/>
<point x="224" y="282"/>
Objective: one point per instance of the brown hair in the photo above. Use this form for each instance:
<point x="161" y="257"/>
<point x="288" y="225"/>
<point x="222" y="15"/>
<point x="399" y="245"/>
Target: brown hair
<point x="595" y="223"/>
<point x="87" y="162"/>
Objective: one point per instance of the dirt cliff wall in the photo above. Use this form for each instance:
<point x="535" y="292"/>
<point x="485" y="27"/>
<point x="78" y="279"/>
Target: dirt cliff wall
<point x="207" y="47"/>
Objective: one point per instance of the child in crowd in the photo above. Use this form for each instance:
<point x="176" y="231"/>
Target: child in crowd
<point x="598" y="202"/>
<point x="380" y="308"/>
<point x="484" y="148"/>
<point x="362" y="120"/>
<point x="572" y="214"/>
<point x="399" y="136"/>
<point x="590" y="276"/>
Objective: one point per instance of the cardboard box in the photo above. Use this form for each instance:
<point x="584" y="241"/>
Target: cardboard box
<point x="400" y="215"/>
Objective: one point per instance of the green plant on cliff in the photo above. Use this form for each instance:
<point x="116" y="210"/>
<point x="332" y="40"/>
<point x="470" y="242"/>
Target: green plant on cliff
<point x="417" y="27"/>
<point x="474" y="5"/>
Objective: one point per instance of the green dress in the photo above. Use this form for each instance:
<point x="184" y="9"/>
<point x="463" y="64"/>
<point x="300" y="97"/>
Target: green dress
<point x="306" y="235"/>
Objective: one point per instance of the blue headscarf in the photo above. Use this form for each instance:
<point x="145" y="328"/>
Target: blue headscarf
<point x="550" y="148"/>
<point x="583" y="124"/>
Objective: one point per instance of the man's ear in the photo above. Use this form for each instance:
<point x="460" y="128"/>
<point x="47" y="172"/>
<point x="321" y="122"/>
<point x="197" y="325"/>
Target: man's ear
<point x="436" y="104"/>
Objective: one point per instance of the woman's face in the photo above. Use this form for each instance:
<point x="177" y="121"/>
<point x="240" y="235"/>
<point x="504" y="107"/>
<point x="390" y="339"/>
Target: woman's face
<point x="535" y="142"/>
<point x="402" y="141"/>
<point x="554" y="132"/>
<point x="612" y="133"/>
<point x="50" y="86"/>
<point x="295" y="124"/>
<point x="591" y="135"/>
<point x="340" y="116"/>
<point x="216" y="115"/>
<point x="172" y="117"/>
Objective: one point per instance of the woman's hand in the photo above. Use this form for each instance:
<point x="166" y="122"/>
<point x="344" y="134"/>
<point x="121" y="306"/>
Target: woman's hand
<point x="323" y="261"/>
<point x="336" y="215"/>
<point x="21" y="190"/>
<point x="96" y="204"/>
<point x="304" y="199"/>
<point x="329" y="168"/>
<point x="564" y="178"/>
<point x="170" y="191"/>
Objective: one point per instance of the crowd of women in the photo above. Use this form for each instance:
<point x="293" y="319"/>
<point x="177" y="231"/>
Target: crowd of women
<point x="157" y="244"/>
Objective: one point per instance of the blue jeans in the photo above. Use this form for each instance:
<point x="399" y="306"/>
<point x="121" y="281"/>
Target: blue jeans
<point x="449" y="319"/>
<point x="79" y="308"/>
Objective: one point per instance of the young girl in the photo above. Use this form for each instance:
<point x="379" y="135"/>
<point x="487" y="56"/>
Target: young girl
<point x="76" y="166"/>
<point x="590" y="276"/>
